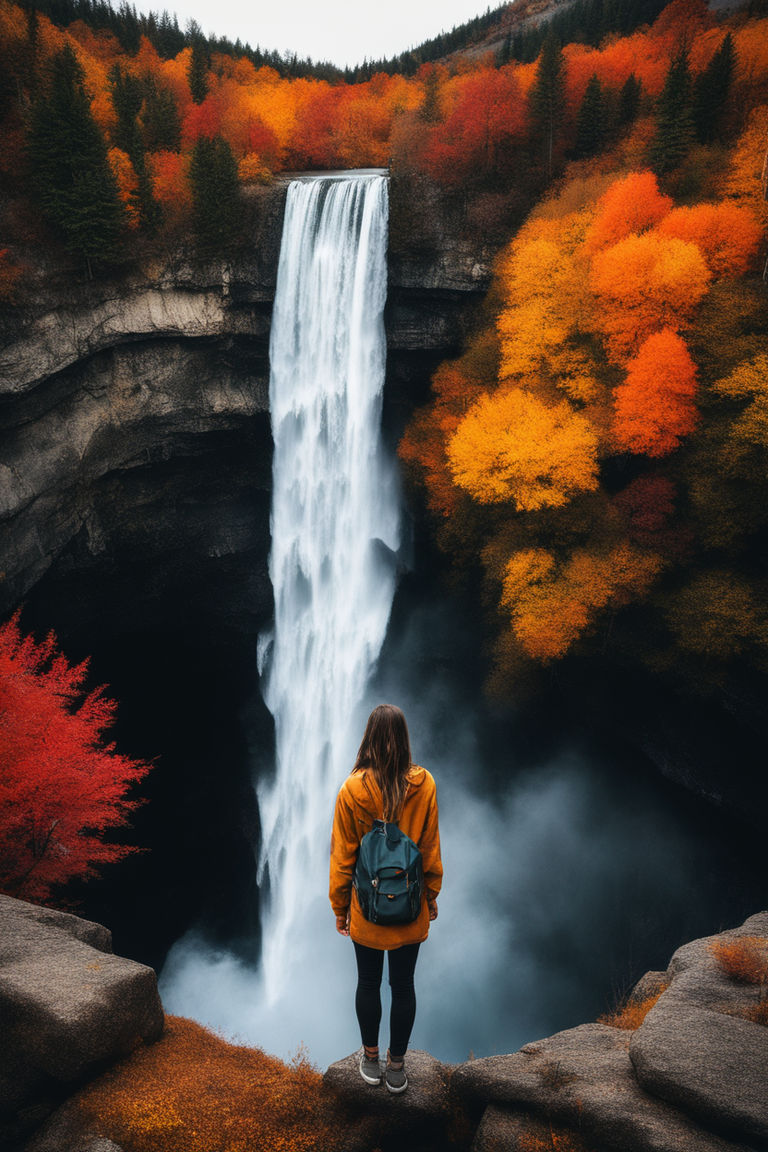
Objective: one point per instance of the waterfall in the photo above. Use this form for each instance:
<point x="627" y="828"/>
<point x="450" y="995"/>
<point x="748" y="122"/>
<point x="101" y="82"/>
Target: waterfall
<point x="334" y="528"/>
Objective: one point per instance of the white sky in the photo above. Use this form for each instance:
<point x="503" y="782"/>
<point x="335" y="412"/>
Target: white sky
<point x="342" y="31"/>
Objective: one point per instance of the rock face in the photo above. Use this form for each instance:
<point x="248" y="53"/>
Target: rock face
<point x="68" y="1008"/>
<point x="99" y="381"/>
<point x="696" y="1049"/>
<point x="693" y="1077"/>
<point x="690" y="1078"/>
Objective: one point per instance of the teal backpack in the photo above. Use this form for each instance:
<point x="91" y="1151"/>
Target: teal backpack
<point x="389" y="876"/>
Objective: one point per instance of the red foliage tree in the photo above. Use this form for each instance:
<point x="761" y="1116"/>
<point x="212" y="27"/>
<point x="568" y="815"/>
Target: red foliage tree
<point x="61" y="786"/>
<point x="476" y="140"/>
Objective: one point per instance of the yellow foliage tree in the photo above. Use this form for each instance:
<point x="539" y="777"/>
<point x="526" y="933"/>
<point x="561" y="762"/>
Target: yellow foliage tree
<point x="543" y="289"/>
<point x="512" y="446"/>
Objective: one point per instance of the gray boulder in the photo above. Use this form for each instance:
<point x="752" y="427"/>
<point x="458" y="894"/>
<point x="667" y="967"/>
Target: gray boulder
<point x="67" y="1131"/>
<point x="68" y="1008"/>
<point x="583" y="1079"/>
<point x="502" y="1130"/>
<point x="419" y="1115"/>
<point x="696" y="1050"/>
<point x="426" y="1095"/>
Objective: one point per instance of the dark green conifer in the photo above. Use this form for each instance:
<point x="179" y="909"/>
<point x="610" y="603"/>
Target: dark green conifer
<point x="70" y="173"/>
<point x="591" y="123"/>
<point x="198" y="64"/>
<point x="547" y="99"/>
<point x="215" y="195"/>
<point x="430" y="108"/>
<point x="675" y="132"/>
<point x="127" y="100"/>
<point x="711" y="91"/>
<point x="504" y="54"/>
<point x="160" y="122"/>
<point x="629" y="100"/>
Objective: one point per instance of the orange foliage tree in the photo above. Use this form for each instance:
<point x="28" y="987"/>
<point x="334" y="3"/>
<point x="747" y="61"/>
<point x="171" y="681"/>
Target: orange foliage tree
<point x="645" y="282"/>
<point x="61" y="785"/>
<point x="631" y="204"/>
<point x="127" y="184"/>
<point x="654" y="407"/>
<point x="551" y="605"/>
<point x="726" y="233"/>
<point x="169" y="172"/>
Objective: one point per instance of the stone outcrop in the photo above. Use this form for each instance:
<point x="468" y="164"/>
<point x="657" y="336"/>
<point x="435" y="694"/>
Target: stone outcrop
<point x="693" y="1077"/>
<point x="696" y="1049"/>
<point x="68" y="1008"/>
<point x="417" y="1117"/>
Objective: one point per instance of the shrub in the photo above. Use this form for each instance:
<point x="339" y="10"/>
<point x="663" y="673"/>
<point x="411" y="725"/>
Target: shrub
<point x="744" y="958"/>
<point x="630" y="1013"/>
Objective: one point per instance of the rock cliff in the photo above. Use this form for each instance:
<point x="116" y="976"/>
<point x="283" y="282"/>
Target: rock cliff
<point x="121" y="401"/>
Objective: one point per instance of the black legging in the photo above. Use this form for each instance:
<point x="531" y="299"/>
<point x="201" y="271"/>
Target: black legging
<point x="370" y="965"/>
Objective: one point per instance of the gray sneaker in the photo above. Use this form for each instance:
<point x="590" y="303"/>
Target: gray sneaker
<point x="370" y="1070"/>
<point x="395" y="1078"/>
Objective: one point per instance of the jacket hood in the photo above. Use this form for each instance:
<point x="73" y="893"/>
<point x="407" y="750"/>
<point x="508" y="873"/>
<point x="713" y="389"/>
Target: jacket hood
<point x="367" y="793"/>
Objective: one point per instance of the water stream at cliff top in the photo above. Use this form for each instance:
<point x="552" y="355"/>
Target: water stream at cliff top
<point x="334" y="529"/>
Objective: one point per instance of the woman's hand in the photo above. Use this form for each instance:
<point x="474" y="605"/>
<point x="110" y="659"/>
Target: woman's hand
<point x="342" y="924"/>
<point x="432" y="905"/>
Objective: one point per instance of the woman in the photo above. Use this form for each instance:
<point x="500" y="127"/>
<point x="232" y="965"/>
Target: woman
<point x="384" y="785"/>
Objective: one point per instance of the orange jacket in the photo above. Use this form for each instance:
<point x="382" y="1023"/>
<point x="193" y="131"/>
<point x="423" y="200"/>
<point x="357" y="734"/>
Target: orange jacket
<point x="358" y="804"/>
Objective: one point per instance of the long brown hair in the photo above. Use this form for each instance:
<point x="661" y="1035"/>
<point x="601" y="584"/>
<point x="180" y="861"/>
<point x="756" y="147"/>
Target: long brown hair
<point x="386" y="750"/>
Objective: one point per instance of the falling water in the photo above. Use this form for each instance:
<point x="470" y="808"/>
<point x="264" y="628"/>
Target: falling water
<point x="335" y="527"/>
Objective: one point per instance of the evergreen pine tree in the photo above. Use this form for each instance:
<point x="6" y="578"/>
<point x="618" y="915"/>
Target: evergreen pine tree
<point x="70" y="173"/>
<point x="629" y="100"/>
<point x="198" y="64"/>
<point x="160" y="122"/>
<point x="711" y="91"/>
<point x="591" y="123"/>
<point x="215" y="195"/>
<point x="547" y="99"/>
<point x="127" y="99"/>
<point x="430" y="109"/>
<point x="674" y="117"/>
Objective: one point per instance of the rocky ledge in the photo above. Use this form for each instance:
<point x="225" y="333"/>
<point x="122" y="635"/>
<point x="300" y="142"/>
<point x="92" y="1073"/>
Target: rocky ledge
<point x="68" y="1009"/>
<point x="691" y="1076"/>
